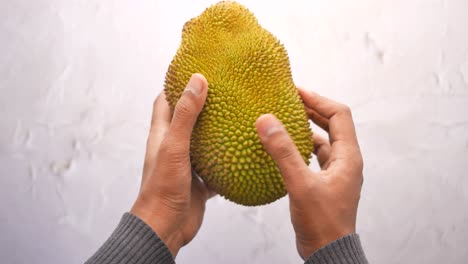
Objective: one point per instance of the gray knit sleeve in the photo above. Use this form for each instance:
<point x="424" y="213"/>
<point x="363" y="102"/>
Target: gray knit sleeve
<point x="346" y="250"/>
<point x="132" y="242"/>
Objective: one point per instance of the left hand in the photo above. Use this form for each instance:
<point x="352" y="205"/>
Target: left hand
<point x="172" y="201"/>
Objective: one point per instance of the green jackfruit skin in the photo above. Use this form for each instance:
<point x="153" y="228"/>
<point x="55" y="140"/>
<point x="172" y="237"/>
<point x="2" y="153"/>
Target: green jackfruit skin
<point x="249" y="75"/>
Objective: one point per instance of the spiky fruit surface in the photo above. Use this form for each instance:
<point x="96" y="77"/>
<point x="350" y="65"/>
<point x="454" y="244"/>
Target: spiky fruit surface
<point x="249" y="75"/>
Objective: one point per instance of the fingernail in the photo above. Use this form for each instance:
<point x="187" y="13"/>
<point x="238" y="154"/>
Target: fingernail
<point x="195" y="85"/>
<point x="270" y="126"/>
<point x="272" y="130"/>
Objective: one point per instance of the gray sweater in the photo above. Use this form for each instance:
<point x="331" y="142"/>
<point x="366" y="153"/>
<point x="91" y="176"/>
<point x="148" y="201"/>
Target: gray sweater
<point x="135" y="242"/>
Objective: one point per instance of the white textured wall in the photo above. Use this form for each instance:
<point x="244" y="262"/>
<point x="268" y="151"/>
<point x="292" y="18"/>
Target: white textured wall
<point x="77" y="82"/>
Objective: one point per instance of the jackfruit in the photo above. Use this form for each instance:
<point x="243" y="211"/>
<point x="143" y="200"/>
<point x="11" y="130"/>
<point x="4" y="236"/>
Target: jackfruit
<point x="248" y="75"/>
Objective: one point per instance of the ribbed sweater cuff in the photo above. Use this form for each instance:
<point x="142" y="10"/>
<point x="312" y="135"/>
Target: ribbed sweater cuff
<point x="346" y="250"/>
<point x="132" y="242"/>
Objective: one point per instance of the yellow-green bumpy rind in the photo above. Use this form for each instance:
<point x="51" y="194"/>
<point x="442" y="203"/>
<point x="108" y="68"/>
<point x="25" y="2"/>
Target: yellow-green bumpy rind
<point x="249" y="75"/>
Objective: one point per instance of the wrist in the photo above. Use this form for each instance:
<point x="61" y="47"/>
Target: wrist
<point x="166" y="230"/>
<point x="307" y="247"/>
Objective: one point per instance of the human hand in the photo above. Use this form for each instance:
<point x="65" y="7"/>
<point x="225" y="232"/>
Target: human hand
<point x="171" y="201"/>
<point x="323" y="205"/>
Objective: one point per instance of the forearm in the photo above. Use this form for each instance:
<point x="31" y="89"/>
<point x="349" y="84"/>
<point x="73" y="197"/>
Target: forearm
<point x="132" y="242"/>
<point x="346" y="250"/>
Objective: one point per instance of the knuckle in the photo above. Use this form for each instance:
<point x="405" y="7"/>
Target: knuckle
<point x="184" y="107"/>
<point x="172" y="149"/>
<point x="345" y="109"/>
<point x="357" y="159"/>
<point x="165" y="149"/>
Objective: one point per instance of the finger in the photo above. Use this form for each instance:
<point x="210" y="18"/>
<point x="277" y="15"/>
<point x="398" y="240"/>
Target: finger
<point x="319" y="120"/>
<point x="161" y="112"/>
<point x="160" y="121"/>
<point x="186" y="112"/>
<point x="282" y="149"/>
<point x="200" y="184"/>
<point x="341" y="126"/>
<point x="322" y="149"/>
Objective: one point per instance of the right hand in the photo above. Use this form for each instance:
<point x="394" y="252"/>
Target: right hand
<point x="323" y="204"/>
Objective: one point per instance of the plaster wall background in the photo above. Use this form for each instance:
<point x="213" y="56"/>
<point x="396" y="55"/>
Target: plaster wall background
<point x="77" y="83"/>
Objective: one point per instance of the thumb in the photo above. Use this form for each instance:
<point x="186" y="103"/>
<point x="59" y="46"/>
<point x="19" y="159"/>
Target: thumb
<point x="187" y="110"/>
<point x="282" y="149"/>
